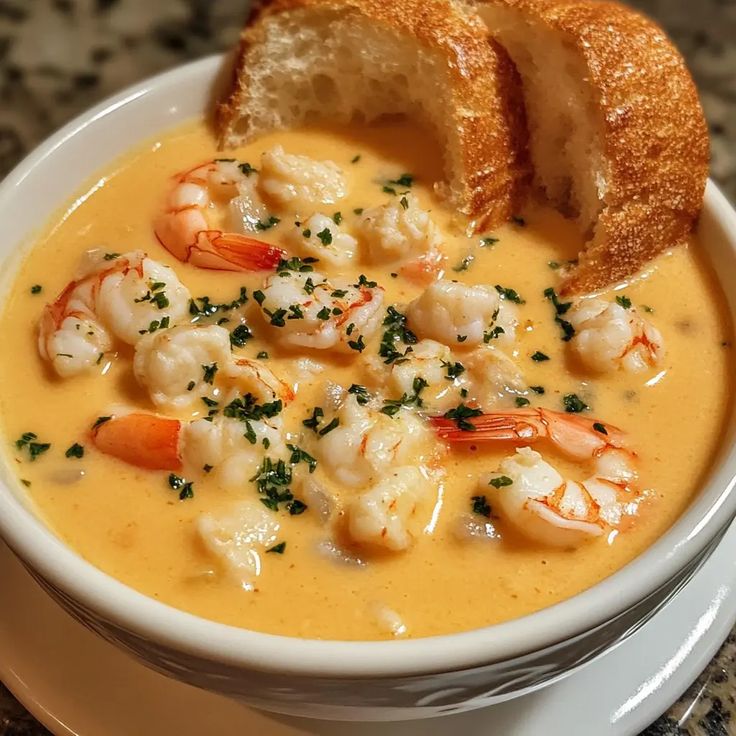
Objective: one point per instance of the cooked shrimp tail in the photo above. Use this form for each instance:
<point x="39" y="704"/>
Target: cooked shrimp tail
<point x="578" y="437"/>
<point x="144" y="440"/>
<point x="184" y="231"/>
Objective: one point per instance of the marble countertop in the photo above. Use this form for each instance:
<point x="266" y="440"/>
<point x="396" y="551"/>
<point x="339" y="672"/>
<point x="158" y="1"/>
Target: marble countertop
<point x="58" y="57"/>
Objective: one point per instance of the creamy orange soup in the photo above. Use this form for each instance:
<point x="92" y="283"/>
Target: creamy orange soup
<point x="454" y="560"/>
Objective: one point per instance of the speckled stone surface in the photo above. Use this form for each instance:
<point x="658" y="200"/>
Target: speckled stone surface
<point x="58" y="57"/>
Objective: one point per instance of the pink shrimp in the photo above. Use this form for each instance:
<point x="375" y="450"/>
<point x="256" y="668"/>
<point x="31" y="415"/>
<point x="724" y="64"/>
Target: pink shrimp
<point x="184" y="231"/>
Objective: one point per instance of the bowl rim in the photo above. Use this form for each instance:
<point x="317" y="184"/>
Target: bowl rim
<point x="116" y="603"/>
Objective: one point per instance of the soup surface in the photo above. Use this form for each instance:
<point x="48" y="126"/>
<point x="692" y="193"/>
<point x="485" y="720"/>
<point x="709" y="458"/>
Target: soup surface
<point x="403" y="534"/>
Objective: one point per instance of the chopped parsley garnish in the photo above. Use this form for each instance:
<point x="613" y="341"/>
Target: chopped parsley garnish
<point x="323" y="313"/>
<point x="539" y="356"/>
<point x="209" y="372"/>
<point x="247" y="169"/>
<point x="338" y="293"/>
<point x="207" y="468"/>
<point x="191" y="385"/>
<point x="363" y="281"/>
<point x="259" y="296"/>
<point x="392" y="406"/>
<point x="647" y="308"/>
<point x="574" y="404"/>
<point x="325" y="236"/>
<point x="461" y="338"/>
<point x="277" y="548"/>
<point x="207" y="401"/>
<point x="511" y="294"/>
<point x="554" y="265"/>
<point x="488" y="241"/>
<point x="272" y="481"/>
<point x="361" y="393"/>
<point x="263" y="355"/>
<point x="247" y="408"/>
<point x="464" y="264"/>
<point x="99" y="421"/>
<point x="337" y="218"/>
<point x="453" y="370"/>
<point x="76" y="450"/>
<point x="355" y="159"/>
<point x="25" y="482"/>
<point x="240" y="335"/>
<point x="481" y="506"/>
<point x="28" y="441"/>
<point x="111" y="256"/>
<point x="250" y="433"/>
<point x="300" y="456"/>
<point x="405" y="180"/>
<point x="295" y="311"/>
<point x="301" y="265"/>
<point x="521" y="401"/>
<point x="308" y="286"/>
<point x="623" y="301"/>
<point x="329" y="427"/>
<point x="358" y="210"/>
<point x="395" y="333"/>
<point x="404" y="202"/>
<point x="358" y="344"/>
<point x="314" y="421"/>
<point x="307" y="233"/>
<point x="156" y="324"/>
<point x="461" y="413"/>
<point x="36" y="289"/>
<point x="489" y="335"/>
<point x="537" y="389"/>
<point x="267" y="224"/>
<point x="185" y="487"/>
<point x="276" y="317"/>
<point x="598" y="427"/>
<point x="206" y="308"/>
<point x="500" y="481"/>
<point x="568" y="331"/>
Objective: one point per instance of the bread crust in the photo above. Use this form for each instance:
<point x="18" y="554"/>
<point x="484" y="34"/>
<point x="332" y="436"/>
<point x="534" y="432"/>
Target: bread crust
<point x="654" y="134"/>
<point x="487" y="109"/>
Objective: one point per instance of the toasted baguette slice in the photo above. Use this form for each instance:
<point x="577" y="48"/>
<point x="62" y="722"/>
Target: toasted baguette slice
<point x="617" y="134"/>
<point x="301" y="61"/>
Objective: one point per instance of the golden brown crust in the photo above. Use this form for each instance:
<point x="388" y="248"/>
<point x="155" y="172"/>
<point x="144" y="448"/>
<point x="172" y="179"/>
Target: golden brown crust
<point x="655" y="139"/>
<point x="486" y="94"/>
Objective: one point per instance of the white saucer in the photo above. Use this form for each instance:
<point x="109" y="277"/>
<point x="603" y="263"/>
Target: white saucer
<point x="77" y="684"/>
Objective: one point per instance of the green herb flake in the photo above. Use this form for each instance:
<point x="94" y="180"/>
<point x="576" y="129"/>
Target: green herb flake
<point x="511" y="294"/>
<point x="598" y="427"/>
<point x="623" y="301"/>
<point x="500" y="481"/>
<point x="521" y="401"/>
<point x="453" y="370"/>
<point x="355" y="159"/>
<point x="488" y="241"/>
<point x="301" y="456"/>
<point x="537" y="389"/>
<point x="337" y="218"/>
<point x="185" y="487"/>
<point x="76" y="450"/>
<point x="358" y="210"/>
<point x="36" y="289"/>
<point x="111" y="256"/>
<point x="539" y="356"/>
<point x="325" y="236"/>
<point x="460" y="415"/>
<point x="267" y="224"/>
<point x="28" y="441"/>
<point x="574" y="404"/>
<point x="277" y="548"/>
<point x="263" y="355"/>
<point x="358" y="344"/>
<point x="209" y="372"/>
<point x="360" y="392"/>
<point x="464" y="264"/>
<point x="247" y="169"/>
<point x="404" y="202"/>
<point x="240" y="335"/>
<point x="329" y="427"/>
<point x="480" y="506"/>
<point x="100" y="421"/>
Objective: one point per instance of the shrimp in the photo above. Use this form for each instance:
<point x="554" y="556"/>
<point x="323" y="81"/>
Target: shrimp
<point x="298" y="182"/>
<point x="366" y="443"/>
<point x="226" y="448"/>
<point x="382" y="516"/>
<point x="539" y="501"/>
<point x="399" y="230"/>
<point x="320" y="237"/>
<point x="182" y="228"/>
<point x="310" y="311"/>
<point x="483" y="377"/>
<point x="610" y="337"/>
<point x="123" y="297"/>
<point x="185" y="364"/>
<point x="455" y="314"/>
<point x="547" y="508"/>
<point x="237" y="537"/>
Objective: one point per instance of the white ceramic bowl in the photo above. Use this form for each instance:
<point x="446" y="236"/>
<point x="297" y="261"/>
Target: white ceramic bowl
<point x="332" y="679"/>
